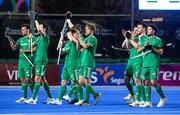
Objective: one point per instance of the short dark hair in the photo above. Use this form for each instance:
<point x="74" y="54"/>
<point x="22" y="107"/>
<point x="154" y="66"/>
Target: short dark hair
<point x="25" y="25"/>
<point x="143" y="24"/>
<point x="154" y="27"/>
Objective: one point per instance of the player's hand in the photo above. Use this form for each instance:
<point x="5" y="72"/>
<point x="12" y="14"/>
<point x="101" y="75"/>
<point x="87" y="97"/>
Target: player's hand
<point x="68" y="15"/>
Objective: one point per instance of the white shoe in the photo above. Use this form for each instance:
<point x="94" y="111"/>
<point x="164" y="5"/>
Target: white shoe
<point x="147" y="104"/>
<point x="131" y="100"/>
<point x="49" y="101"/>
<point x="79" y="102"/>
<point x="31" y="101"/>
<point x="142" y="103"/>
<point x="128" y="97"/>
<point x="21" y="100"/>
<point x="135" y="104"/>
<point x="162" y="102"/>
<point x="67" y="98"/>
<point x="56" y="102"/>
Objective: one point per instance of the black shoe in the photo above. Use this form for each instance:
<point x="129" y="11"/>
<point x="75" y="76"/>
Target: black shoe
<point x="97" y="98"/>
<point x="73" y="101"/>
<point x="84" y="104"/>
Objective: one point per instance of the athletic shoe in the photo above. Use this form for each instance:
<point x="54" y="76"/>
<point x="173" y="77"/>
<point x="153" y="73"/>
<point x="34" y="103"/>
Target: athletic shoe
<point x="97" y="98"/>
<point x="135" y="104"/>
<point x="162" y="102"/>
<point x="131" y="100"/>
<point x="57" y="102"/>
<point x="21" y="100"/>
<point x="147" y="105"/>
<point x="49" y="101"/>
<point x="142" y="103"/>
<point x="67" y="98"/>
<point x="30" y="101"/>
<point x="73" y="101"/>
<point x="79" y="102"/>
<point x="84" y="104"/>
<point x="128" y="97"/>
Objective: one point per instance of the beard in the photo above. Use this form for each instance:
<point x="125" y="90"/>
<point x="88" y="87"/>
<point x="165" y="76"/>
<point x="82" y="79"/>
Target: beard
<point x="149" y="34"/>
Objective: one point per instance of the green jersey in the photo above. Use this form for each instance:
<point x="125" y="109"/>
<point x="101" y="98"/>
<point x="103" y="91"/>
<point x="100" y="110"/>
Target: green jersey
<point x="152" y="59"/>
<point x="134" y="52"/>
<point x="87" y="57"/>
<point x="24" y="44"/>
<point x="72" y="54"/>
<point x="42" y="44"/>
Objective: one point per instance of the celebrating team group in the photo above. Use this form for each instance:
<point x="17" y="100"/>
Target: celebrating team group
<point x="142" y="67"/>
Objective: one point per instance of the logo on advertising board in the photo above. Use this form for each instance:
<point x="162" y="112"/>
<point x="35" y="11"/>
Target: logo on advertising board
<point x="106" y="74"/>
<point x="9" y="74"/>
<point x="169" y="75"/>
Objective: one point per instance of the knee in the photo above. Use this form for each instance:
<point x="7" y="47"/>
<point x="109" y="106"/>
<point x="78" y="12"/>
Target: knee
<point x="87" y="81"/>
<point x="63" y="82"/>
<point x="81" y="80"/>
<point x="154" y="82"/>
<point x="26" y="80"/>
<point x="137" y="81"/>
<point x="147" y="83"/>
<point x="38" y="79"/>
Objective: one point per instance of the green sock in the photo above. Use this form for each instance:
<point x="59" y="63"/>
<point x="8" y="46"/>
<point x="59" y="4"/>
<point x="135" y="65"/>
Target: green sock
<point x="148" y="93"/>
<point x="89" y="90"/>
<point x="79" y="90"/>
<point x="142" y="98"/>
<point x="93" y="91"/>
<point x="159" y="90"/>
<point x="62" y="91"/>
<point x="31" y="85"/>
<point x="47" y="88"/>
<point x="130" y="88"/>
<point x="76" y="93"/>
<point x="24" y="89"/>
<point x="36" y="90"/>
<point x="138" y="92"/>
<point x="72" y="88"/>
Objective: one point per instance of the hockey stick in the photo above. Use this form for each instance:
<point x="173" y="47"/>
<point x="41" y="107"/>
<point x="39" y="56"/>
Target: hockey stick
<point x="120" y="49"/>
<point x="142" y="54"/>
<point x="60" y="43"/>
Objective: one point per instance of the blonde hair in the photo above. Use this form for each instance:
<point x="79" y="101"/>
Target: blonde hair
<point x="92" y="26"/>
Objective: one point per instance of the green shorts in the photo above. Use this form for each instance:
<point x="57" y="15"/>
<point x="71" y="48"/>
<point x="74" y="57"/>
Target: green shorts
<point x="137" y="70"/>
<point x="69" y="73"/>
<point x="86" y="72"/>
<point x="129" y="69"/>
<point x="24" y="72"/>
<point x="150" y="73"/>
<point x="40" y="68"/>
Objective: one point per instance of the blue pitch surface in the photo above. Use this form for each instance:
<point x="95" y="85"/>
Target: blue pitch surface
<point x="111" y="103"/>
